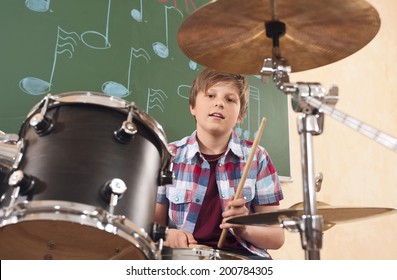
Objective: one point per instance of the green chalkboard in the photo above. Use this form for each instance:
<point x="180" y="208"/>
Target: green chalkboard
<point x="122" y="48"/>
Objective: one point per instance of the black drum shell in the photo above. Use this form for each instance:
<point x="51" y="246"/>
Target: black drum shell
<point x="81" y="154"/>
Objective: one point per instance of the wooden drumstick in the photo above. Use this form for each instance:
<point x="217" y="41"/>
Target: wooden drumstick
<point x="245" y="173"/>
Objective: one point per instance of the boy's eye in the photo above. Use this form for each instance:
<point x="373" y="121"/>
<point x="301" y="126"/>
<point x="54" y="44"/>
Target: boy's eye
<point x="232" y="99"/>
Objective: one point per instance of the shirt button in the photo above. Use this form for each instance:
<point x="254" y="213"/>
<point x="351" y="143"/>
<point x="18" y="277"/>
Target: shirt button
<point x="219" y="164"/>
<point x="197" y="200"/>
<point x="223" y="196"/>
<point x="176" y="199"/>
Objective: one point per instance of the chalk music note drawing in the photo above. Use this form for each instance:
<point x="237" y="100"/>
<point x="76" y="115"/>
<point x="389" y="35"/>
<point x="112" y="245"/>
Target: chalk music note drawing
<point x="138" y="14"/>
<point x="162" y="50"/>
<point x="183" y="91"/>
<point x="192" y="65"/>
<point x="254" y="95"/>
<point x="186" y="4"/>
<point x="116" y="89"/>
<point x="65" y="44"/>
<point x="95" y="35"/>
<point x="155" y="98"/>
<point x="38" y="5"/>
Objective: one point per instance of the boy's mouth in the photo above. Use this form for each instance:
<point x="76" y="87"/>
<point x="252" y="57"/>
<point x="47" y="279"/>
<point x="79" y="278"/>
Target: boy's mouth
<point x="217" y="115"/>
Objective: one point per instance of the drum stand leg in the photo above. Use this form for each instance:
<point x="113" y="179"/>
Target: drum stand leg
<point x="311" y="226"/>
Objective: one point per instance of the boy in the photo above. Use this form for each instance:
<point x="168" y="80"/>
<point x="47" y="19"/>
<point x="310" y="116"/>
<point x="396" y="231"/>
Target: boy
<point x="208" y="166"/>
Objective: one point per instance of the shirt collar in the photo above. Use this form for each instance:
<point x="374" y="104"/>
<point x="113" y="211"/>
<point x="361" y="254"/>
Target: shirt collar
<point x="234" y="145"/>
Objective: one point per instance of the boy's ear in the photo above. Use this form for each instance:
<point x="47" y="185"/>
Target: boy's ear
<point x="192" y="110"/>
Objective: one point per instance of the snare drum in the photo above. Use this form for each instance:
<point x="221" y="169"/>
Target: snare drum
<point x="86" y="184"/>
<point x="198" y="254"/>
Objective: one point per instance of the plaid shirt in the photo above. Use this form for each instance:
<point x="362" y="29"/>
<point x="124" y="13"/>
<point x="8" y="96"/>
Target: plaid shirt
<point x="191" y="170"/>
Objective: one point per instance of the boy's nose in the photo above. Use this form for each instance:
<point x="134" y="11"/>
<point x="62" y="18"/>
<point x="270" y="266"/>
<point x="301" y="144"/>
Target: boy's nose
<point x="219" y="103"/>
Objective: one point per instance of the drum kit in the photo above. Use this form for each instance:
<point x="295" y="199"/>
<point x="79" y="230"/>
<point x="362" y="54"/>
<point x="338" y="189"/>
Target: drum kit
<point x="75" y="189"/>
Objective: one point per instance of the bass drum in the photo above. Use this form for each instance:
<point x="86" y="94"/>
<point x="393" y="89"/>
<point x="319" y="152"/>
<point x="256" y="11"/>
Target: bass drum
<point x="86" y="183"/>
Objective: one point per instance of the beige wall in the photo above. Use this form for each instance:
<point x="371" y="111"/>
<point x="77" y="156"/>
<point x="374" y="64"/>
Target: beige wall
<point x="358" y="172"/>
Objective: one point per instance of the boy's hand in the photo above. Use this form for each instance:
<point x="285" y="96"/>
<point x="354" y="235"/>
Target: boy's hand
<point x="234" y="208"/>
<point x="179" y="239"/>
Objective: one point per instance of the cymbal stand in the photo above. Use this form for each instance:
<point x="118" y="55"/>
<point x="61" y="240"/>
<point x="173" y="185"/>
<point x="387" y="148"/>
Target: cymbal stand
<point x="310" y="226"/>
<point x="312" y="101"/>
<point x="310" y="123"/>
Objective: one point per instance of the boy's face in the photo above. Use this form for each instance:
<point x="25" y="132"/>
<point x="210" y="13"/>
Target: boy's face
<point x="217" y="110"/>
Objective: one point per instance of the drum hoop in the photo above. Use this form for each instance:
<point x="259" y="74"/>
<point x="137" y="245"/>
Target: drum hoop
<point x="211" y="252"/>
<point x="53" y="210"/>
<point x="207" y="252"/>
<point x="95" y="98"/>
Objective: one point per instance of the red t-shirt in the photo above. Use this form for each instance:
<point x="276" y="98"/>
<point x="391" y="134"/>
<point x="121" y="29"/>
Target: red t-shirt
<point x="207" y="231"/>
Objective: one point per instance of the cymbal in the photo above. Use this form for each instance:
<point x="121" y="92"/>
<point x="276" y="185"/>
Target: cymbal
<point x="229" y="35"/>
<point x="331" y="215"/>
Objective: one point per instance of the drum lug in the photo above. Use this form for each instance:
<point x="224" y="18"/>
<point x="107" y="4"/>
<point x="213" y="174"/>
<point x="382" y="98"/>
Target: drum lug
<point x="125" y="133"/>
<point x="21" y="180"/>
<point x="215" y="255"/>
<point x="112" y="191"/>
<point x="127" y="130"/>
<point x="23" y="184"/>
<point x="167" y="175"/>
<point x="40" y="122"/>
<point x="159" y="232"/>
